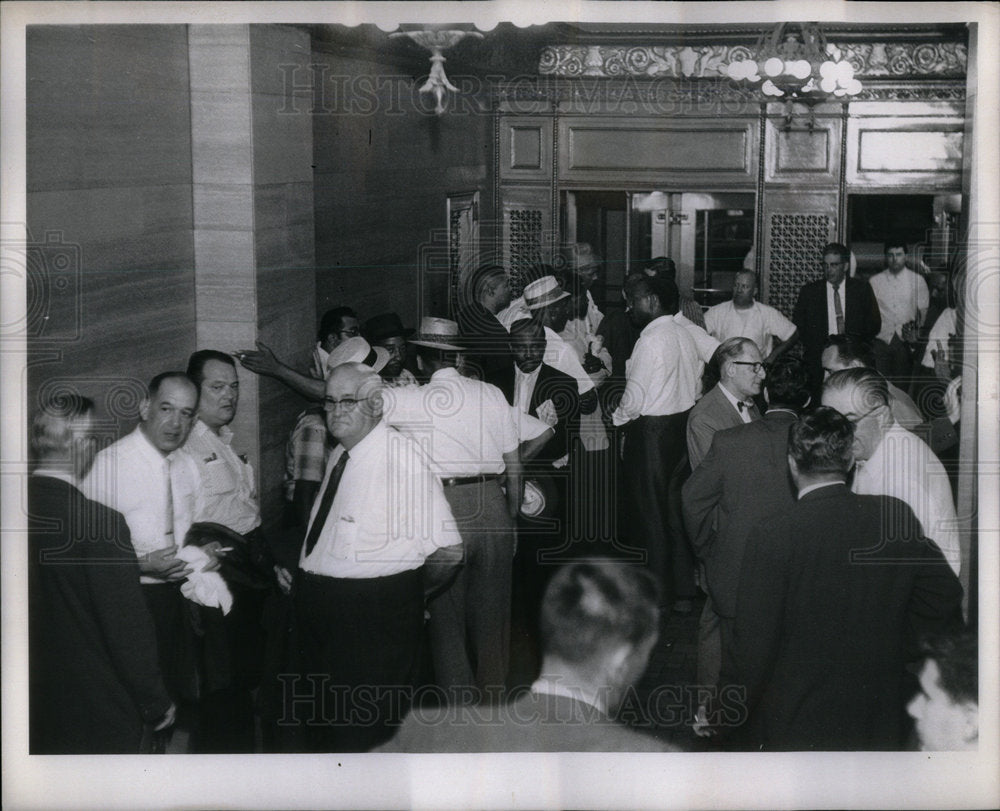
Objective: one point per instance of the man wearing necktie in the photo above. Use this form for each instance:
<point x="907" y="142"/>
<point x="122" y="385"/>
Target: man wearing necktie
<point x="730" y="403"/>
<point x="834" y="305"/>
<point x="381" y="537"/>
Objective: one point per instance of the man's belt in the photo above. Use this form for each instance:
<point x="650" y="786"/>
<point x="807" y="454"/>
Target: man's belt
<point x="455" y="481"/>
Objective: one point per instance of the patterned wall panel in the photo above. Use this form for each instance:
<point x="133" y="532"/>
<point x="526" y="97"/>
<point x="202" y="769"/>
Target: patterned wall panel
<point x="795" y="242"/>
<point x="524" y="244"/>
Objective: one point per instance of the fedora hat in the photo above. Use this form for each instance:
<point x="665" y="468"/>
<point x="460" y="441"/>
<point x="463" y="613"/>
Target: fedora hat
<point x="543" y="292"/>
<point x="385" y="325"/>
<point x="438" y="333"/>
<point x="357" y="350"/>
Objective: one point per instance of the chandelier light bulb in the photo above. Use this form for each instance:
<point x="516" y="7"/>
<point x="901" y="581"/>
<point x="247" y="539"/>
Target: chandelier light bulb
<point x="769" y="88"/>
<point x="828" y="70"/>
<point x="736" y="69"/>
<point x="828" y="85"/>
<point x="854" y="87"/>
<point x="801" y="69"/>
<point x="773" y="66"/>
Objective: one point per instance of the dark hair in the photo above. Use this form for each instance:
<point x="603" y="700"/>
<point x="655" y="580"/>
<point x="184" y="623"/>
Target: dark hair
<point x="591" y="606"/>
<point x="837" y="248"/>
<point x="50" y="426"/>
<point x="787" y="383"/>
<point x="957" y="659"/>
<point x="851" y="349"/>
<point x="197" y="361"/>
<point x="156" y="382"/>
<point x="662" y="288"/>
<point x="870" y="385"/>
<point x="821" y="442"/>
<point x="330" y="323"/>
<point x="662" y="266"/>
<point x="896" y="244"/>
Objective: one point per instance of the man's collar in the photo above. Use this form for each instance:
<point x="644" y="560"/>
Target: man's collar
<point x="733" y="399"/>
<point x="62" y="475"/>
<point x="814" y="487"/>
<point x="544" y="686"/>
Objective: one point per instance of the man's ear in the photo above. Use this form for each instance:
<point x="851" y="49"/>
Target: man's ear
<point x="144" y="409"/>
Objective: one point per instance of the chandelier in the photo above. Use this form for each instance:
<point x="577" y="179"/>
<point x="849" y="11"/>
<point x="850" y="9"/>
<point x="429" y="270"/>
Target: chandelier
<point x="794" y="62"/>
<point x="436" y="41"/>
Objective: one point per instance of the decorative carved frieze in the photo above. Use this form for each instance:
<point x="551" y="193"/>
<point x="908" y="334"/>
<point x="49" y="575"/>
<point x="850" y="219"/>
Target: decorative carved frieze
<point x="870" y="60"/>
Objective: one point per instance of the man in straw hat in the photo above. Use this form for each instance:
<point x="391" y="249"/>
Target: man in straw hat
<point x="473" y="445"/>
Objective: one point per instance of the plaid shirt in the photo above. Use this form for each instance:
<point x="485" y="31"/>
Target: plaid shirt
<point x="308" y="448"/>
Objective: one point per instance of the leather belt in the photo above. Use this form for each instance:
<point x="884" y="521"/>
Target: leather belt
<point x="455" y="481"/>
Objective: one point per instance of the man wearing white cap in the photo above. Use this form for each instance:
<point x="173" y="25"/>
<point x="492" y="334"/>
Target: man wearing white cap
<point x="309" y="444"/>
<point x="471" y="436"/>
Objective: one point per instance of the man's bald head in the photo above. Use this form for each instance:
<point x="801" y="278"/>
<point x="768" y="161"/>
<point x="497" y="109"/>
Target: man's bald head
<point x="353" y="402"/>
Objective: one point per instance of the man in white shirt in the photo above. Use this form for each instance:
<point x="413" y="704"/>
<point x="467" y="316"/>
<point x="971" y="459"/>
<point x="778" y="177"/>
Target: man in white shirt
<point x="660" y="386"/>
<point x="744" y="317"/>
<point x="380" y="534"/>
<point x="892" y="461"/>
<point x="471" y="436"/>
<point x="233" y="642"/>
<point x="584" y="266"/>
<point x="903" y="298"/>
<point x="152" y="482"/>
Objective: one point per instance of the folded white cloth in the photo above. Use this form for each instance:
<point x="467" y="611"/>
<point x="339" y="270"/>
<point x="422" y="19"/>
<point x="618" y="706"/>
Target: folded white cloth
<point x="204" y="588"/>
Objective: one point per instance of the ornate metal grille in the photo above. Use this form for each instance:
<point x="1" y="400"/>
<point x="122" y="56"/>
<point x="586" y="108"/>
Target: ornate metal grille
<point x="796" y="240"/>
<point x="524" y="245"/>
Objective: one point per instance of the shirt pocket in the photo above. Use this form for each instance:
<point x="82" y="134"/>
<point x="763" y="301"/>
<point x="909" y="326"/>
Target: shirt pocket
<point x="218" y="478"/>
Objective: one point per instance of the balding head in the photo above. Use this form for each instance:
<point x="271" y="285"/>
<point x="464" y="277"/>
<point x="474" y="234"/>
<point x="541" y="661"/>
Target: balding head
<point x="353" y="402"/>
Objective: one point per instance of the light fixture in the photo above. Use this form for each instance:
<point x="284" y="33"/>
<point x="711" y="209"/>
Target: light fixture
<point x="794" y="62"/>
<point x="435" y="42"/>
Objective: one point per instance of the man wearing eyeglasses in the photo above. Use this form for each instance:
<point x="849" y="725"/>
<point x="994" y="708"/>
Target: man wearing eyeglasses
<point x="730" y="403"/>
<point x="892" y="461"/>
<point x="380" y="535"/>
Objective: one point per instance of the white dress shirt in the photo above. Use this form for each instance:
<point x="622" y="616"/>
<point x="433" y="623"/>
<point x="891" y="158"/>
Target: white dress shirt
<point x="904" y="467"/>
<point x="901" y="297"/>
<point x="561" y="355"/>
<point x="940" y="331"/>
<point x="758" y="323"/>
<point x="465" y="425"/>
<point x="389" y="513"/>
<point x="661" y="377"/>
<point x="228" y="494"/>
<point x="736" y="402"/>
<point x="130" y="476"/>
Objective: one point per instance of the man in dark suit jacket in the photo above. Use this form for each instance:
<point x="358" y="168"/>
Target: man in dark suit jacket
<point x="816" y="315"/>
<point x="743" y="479"/>
<point x="488" y="292"/>
<point x="832" y="596"/>
<point x="94" y="672"/>
<point x="553" y="396"/>
<point x="599" y="623"/>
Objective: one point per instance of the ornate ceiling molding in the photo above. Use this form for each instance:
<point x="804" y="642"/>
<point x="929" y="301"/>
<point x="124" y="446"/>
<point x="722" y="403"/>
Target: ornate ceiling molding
<point x="870" y="60"/>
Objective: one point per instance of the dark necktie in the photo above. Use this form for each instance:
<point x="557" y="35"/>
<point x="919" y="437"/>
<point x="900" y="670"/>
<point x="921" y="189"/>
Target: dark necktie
<point x="326" y="501"/>
<point x="838" y="309"/>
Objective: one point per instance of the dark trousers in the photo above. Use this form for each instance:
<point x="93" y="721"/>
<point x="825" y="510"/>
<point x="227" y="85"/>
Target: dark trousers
<point x="469" y="626"/>
<point x="893" y="360"/>
<point x="231" y="657"/>
<point x="654" y="447"/>
<point x="358" y="648"/>
<point x="175" y="640"/>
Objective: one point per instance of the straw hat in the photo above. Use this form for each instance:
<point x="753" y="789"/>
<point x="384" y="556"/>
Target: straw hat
<point x="357" y="350"/>
<point x="543" y="292"/>
<point x="437" y="333"/>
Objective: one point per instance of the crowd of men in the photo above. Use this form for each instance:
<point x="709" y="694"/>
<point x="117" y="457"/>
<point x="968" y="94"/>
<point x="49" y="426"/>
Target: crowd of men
<point x="530" y="464"/>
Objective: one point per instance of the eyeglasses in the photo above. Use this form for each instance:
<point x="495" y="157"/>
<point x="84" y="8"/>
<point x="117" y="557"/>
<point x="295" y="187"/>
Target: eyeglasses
<point x="348" y="403"/>
<point x="855" y="420"/>
<point x="758" y="366"/>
